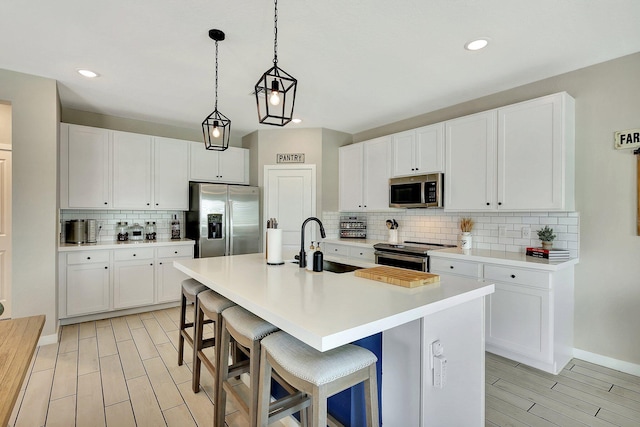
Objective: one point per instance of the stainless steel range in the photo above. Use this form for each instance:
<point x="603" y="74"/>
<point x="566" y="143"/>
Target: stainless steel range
<point x="411" y="255"/>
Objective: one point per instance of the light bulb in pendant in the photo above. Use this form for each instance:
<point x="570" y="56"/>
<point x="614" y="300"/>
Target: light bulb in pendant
<point x="215" y="132"/>
<point x="274" y="99"/>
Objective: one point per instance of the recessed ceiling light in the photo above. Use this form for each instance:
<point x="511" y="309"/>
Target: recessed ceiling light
<point x="296" y="121"/>
<point x="477" y="44"/>
<point x="87" y="73"/>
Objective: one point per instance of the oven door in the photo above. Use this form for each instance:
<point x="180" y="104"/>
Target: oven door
<point x="411" y="262"/>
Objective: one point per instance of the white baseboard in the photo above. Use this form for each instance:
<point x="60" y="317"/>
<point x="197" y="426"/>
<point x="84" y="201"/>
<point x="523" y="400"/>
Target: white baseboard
<point x="48" y="339"/>
<point x="609" y="362"/>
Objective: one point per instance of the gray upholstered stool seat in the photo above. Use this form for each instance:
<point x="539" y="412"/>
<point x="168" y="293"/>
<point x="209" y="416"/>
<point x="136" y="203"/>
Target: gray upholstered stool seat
<point x="209" y="306"/>
<point x="247" y="330"/>
<point x="190" y="289"/>
<point x="318" y="374"/>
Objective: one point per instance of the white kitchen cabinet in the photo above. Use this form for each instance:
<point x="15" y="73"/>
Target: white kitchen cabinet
<point x="171" y="174"/>
<point x="132" y="170"/>
<point x="86" y="283"/>
<point x="418" y="151"/>
<point x="133" y="273"/>
<point x="470" y="162"/>
<point x="85" y="159"/>
<point x="529" y="318"/>
<point x="344" y="249"/>
<point x="168" y="278"/>
<point x="230" y="166"/>
<point x="519" y="157"/>
<point x="364" y="172"/>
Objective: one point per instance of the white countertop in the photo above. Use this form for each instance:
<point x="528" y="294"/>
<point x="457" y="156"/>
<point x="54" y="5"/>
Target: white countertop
<point x="325" y="310"/>
<point x="66" y="247"/>
<point x="513" y="259"/>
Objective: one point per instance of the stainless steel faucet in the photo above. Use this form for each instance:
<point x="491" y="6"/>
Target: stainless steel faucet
<point x="302" y="261"/>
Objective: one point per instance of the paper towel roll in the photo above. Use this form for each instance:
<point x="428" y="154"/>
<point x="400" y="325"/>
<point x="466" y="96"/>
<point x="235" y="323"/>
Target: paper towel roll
<point x="274" y="246"/>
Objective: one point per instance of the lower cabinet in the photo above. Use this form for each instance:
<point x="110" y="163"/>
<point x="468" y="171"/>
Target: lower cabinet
<point x="529" y="317"/>
<point x="351" y="251"/>
<point x="100" y="281"/>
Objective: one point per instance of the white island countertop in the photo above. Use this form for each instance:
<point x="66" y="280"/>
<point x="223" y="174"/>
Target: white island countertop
<point x="325" y="310"/>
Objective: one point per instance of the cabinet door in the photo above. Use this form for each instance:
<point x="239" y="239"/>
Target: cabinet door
<point x="430" y="149"/>
<point x="87" y="288"/>
<point x="203" y="163"/>
<point x="133" y="283"/>
<point x="89" y="167"/>
<point x="233" y="164"/>
<point x="350" y="177"/>
<point x="131" y="171"/>
<point x="168" y="280"/>
<point x="376" y="162"/>
<point x="518" y="320"/>
<point x="171" y="174"/>
<point x="470" y="145"/>
<point x="531" y="155"/>
<point x="403" y="146"/>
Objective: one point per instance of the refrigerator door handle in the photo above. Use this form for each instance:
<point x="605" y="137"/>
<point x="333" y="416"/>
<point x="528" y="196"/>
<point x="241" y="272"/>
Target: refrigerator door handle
<point x="230" y="229"/>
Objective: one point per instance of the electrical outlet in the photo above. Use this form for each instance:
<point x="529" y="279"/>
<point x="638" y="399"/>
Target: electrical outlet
<point x="502" y="231"/>
<point x="526" y="232"/>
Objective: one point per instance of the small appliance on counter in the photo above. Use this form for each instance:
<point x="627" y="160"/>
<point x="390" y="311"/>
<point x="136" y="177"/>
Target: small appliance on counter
<point x="76" y="231"/>
<point x="353" y="227"/>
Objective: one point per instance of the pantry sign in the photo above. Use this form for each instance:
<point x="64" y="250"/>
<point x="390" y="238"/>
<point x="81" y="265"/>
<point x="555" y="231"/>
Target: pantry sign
<point x="629" y="138"/>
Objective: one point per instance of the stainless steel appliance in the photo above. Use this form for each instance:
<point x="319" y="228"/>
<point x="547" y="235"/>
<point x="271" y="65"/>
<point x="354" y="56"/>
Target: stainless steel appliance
<point x="411" y="255"/>
<point x="223" y="219"/>
<point x="420" y="191"/>
<point x="76" y="231"/>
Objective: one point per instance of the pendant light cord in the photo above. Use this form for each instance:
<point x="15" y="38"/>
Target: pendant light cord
<point x="275" y="31"/>
<point x="216" y="103"/>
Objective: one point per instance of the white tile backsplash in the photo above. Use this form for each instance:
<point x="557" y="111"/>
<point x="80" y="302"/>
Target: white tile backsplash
<point x="107" y="219"/>
<point x="437" y="226"/>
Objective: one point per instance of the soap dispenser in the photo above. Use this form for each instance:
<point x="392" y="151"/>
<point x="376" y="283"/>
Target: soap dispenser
<point x="310" y="257"/>
<point x="317" y="258"/>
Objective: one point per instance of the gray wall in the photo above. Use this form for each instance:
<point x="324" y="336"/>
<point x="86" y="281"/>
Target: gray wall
<point x="35" y="113"/>
<point x="607" y="291"/>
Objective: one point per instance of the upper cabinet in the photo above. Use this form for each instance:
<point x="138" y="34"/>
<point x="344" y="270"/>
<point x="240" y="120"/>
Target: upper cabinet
<point x="230" y="166"/>
<point x="85" y="161"/>
<point x="364" y="172"/>
<point x="100" y="168"/>
<point x="418" y="151"/>
<point x="519" y="157"/>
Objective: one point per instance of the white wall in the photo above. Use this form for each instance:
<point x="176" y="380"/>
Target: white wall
<point x="35" y="113"/>
<point x="607" y="287"/>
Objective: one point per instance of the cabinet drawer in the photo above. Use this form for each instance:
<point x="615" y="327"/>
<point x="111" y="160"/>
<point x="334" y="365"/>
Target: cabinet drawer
<point x="463" y="268"/>
<point x="132" y="254"/>
<point x="362" y="253"/>
<point x="175" y="251"/>
<point x="331" y="249"/>
<point x="520" y="276"/>
<point x="87" y="257"/>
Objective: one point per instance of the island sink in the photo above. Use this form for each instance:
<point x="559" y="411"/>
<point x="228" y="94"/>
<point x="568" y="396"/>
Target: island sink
<point x="336" y="267"/>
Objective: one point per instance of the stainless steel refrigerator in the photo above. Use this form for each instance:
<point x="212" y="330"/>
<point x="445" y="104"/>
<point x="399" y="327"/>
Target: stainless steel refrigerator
<point x="223" y="219"/>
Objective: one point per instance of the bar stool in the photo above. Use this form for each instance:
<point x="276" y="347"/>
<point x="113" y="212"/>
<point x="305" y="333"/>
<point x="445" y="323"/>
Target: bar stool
<point x="210" y="304"/>
<point x="318" y="374"/>
<point x="247" y="330"/>
<point x="190" y="290"/>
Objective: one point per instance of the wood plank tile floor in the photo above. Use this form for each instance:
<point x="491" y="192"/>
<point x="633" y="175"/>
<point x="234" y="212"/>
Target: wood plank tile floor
<point x="123" y="372"/>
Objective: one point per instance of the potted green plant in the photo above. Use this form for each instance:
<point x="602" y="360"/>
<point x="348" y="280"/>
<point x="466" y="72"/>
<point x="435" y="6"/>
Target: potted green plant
<point x="546" y="236"/>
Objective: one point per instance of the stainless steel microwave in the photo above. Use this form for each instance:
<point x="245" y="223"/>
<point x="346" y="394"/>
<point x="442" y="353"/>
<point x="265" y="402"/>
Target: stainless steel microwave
<point x="420" y="191"/>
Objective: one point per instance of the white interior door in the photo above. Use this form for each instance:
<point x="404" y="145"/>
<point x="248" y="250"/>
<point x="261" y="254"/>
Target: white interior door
<point x="5" y="232"/>
<point x="290" y="197"/>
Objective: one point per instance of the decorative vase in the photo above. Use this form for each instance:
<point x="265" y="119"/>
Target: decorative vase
<point x="547" y="245"/>
<point x="466" y="241"/>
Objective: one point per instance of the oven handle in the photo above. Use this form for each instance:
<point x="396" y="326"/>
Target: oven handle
<point x="400" y="257"/>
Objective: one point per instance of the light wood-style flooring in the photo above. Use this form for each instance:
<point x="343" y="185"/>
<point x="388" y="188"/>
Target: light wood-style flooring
<point x="123" y="372"/>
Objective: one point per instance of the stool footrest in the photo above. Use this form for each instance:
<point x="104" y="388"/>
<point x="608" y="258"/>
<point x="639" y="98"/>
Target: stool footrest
<point x="288" y="405"/>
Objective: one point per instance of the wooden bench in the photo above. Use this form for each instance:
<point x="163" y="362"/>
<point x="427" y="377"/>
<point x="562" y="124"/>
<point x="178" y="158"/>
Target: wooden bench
<point x="18" y="341"/>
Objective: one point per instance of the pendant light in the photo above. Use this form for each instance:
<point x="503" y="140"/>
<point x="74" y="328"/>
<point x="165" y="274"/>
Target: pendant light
<point x="216" y="128"/>
<point x="276" y="89"/>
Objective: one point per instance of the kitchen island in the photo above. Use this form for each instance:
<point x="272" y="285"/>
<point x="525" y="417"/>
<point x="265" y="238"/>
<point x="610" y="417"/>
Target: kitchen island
<point x="326" y="310"/>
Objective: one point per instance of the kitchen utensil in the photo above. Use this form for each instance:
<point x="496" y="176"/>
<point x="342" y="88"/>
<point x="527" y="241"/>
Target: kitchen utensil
<point x="395" y="224"/>
<point x="389" y="224"/>
<point x="398" y="276"/>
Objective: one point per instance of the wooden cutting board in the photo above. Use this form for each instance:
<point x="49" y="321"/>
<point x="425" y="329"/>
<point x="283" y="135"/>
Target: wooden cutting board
<point x="398" y="276"/>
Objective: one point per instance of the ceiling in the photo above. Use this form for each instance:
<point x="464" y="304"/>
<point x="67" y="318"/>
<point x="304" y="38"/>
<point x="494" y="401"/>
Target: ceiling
<point x="360" y="64"/>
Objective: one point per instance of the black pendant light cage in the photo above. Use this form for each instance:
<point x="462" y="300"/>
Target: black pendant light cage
<point x="278" y="82"/>
<point x="216" y="128"/>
